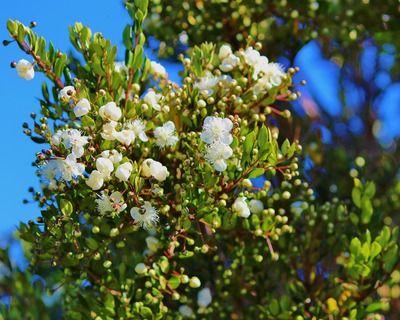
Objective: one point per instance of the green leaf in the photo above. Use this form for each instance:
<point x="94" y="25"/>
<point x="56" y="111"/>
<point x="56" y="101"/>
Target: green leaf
<point x="355" y="246"/>
<point x="356" y="196"/>
<point x="127" y="36"/>
<point x="87" y="121"/>
<point x="375" y="249"/>
<point x="146" y="313"/>
<point x="66" y="207"/>
<point x="91" y="243"/>
<point x="164" y="264"/>
<point x="390" y="258"/>
<point x="274" y="307"/>
<point x="366" y="210"/>
<point x="370" y="189"/>
<point x="174" y="282"/>
<point x="256" y="173"/>
<point x="21" y="33"/>
<point x="138" y="57"/>
<point x="248" y="147"/>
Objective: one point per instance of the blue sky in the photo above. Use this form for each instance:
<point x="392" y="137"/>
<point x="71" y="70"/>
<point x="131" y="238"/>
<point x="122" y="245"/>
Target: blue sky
<point x="109" y="17"/>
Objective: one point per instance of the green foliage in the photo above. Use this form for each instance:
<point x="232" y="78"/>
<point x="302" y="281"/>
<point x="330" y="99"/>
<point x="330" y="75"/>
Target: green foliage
<point x="201" y="240"/>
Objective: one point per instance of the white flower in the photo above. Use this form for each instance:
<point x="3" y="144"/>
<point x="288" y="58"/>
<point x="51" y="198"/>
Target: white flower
<point x="95" y="180"/>
<point x="109" y="131"/>
<point x="25" y="69"/>
<point x="153" y="99"/>
<point x="140" y="268"/>
<point x="82" y="107"/>
<point x="241" y="208"/>
<point x="71" y="169"/>
<point x="120" y="66"/>
<point x="224" y="52"/>
<point x="66" y="169"/>
<point x="157" y="69"/>
<point x="207" y="84"/>
<point x="204" y="297"/>
<point x="186" y="311"/>
<point x="251" y="56"/>
<point x="229" y="63"/>
<point x="273" y="75"/>
<point x="126" y="136"/>
<point x="71" y="139"/>
<point x="258" y="62"/>
<point x="138" y="127"/>
<point x="113" y="155"/>
<point x="104" y="166"/>
<point x="217" y="130"/>
<point x="152" y="168"/>
<point x="113" y="203"/>
<point x="153" y="244"/>
<point x="146" y="216"/>
<point x="110" y="111"/>
<point x="216" y="154"/>
<point x="66" y="93"/>
<point x="256" y="206"/>
<point x="165" y="135"/>
<point x="124" y="171"/>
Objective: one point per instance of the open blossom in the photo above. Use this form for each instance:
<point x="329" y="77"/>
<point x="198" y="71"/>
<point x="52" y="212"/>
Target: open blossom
<point x="152" y="168"/>
<point x="138" y="128"/>
<point x="124" y="171"/>
<point x="66" y="93"/>
<point x="228" y="60"/>
<point x="95" y="180"/>
<point x="241" y="208"/>
<point x="157" y="69"/>
<point x="217" y="130"/>
<point x="165" y="135"/>
<point x="109" y="131"/>
<point x="153" y="99"/>
<point x="82" y="107"/>
<point x="125" y="136"/>
<point x="217" y="154"/>
<point x="257" y="61"/>
<point x="207" y="84"/>
<point x="273" y="75"/>
<point x="113" y="155"/>
<point x="66" y="169"/>
<point x="110" y="203"/>
<point x="25" y="69"/>
<point x="256" y="206"/>
<point x="104" y="166"/>
<point x="110" y="111"/>
<point x="71" y="139"/>
<point x="146" y="216"/>
<point x="204" y="297"/>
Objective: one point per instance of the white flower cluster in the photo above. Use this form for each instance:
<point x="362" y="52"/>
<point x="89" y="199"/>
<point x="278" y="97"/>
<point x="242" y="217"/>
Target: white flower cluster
<point x="110" y="166"/>
<point x="66" y="169"/>
<point x="131" y="130"/>
<point x="267" y="74"/>
<point x="217" y="134"/>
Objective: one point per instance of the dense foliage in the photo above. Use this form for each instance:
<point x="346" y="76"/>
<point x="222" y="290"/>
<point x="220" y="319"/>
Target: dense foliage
<point x="161" y="200"/>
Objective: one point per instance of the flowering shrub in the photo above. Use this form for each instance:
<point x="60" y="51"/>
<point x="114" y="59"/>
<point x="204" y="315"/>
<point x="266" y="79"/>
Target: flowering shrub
<point x="148" y="205"/>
